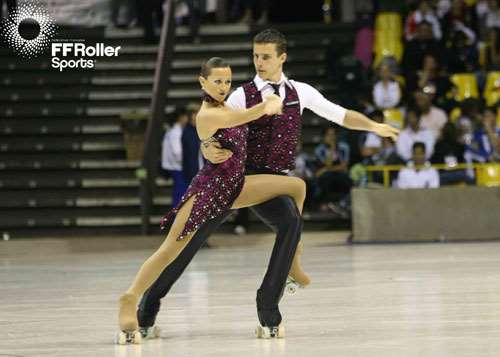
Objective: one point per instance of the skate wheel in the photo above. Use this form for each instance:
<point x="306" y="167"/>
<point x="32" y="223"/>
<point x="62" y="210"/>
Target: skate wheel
<point x="128" y="338"/>
<point x="291" y="286"/>
<point x="151" y="332"/>
<point x="270" y="332"/>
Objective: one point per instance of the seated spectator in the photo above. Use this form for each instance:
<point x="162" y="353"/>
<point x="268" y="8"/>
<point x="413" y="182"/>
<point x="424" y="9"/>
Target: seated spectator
<point x="425" y="13"/>
<point x="192" y="159"/>
<point x="493" y="56"/>
<point x="414" y="133"/>
<point x="493" y="14"/>
<point x="430" y="78"/>
<point x="470" y="115"/>
<point x="450" y="152"/>
<point x="418" y="173"/>
<point x="386" y="91"/>
<point x="172" y="155"/>
<point x="304" y="168"/>
<point x="431" y="117"/>
<point x="463" y="54"/>
<point x="332" y="174"/>
<point x="459" y="15"/>
<point x="416" y="49"/>
<point x="485" y="145"/>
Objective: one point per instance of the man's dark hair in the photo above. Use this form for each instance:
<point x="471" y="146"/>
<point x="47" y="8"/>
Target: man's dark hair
<point x="272" y="36"/>
<point x="214" y="62"/>
<point x="417" y="145"/>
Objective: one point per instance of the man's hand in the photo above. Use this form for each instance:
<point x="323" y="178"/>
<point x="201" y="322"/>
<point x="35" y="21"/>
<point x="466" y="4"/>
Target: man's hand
<point x="215" y="153"/>
<point x="273" y="105"/>
<point x="386" y="131"/>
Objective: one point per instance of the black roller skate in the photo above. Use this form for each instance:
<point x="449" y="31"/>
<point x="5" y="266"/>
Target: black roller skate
<point x="147" y="318"/>
<point x="270" y="321"/>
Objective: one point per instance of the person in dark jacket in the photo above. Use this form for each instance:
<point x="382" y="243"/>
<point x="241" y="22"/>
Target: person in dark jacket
<point x="192" y="160"/>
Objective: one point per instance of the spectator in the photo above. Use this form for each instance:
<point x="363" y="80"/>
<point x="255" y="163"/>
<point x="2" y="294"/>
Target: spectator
<point x="431" y="117"/>
<point x="450" y="152"/>
<point x="458" y="17"/>
<point x="305" y="170"/>
<point x="493" y="14"/>
<point x="192" y="159"/>
<point x="333" y="161"/>
<point x="172" y="155"/>
<point x="418" y="173"/>
<point x="430" y="78"/>
<point x="494" y="49"/>
<point x="485" y="146"/>
<point x="148" y="12"/>
<point x="416" y="49"/>
<point x="423" y="13"/>
<point x="463" y="55"/>
<point x="469" y="116"/>
<point x="129" y="9"/>
<point x="386" y="92"/>
<point x="414" y="133"/>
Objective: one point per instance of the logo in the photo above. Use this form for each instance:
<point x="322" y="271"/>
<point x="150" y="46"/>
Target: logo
<point x="28" y="30"/>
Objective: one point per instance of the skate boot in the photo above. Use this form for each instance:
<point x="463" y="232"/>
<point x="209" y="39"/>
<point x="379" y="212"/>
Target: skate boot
<point x="146" y="319"/>
<point x="270" y="325"/>
<point x="297" y="278"/>
<point x="129" y="333"/>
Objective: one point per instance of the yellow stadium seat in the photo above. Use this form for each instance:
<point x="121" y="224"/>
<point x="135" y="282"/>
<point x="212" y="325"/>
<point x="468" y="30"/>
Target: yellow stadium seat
<point x="389" y="20"/>
<point x="470" y="2"/>
<point x="498" y="117"/>
<point x="455" y="114"/>
<point x="466" y="86"/>
<point x="394" y="117"/>
<point x="492" y="89"/>
<point x="488" y="175"/>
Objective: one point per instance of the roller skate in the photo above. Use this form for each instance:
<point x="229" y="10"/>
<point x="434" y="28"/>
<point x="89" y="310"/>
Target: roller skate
<point x="129" y="333"/>
<point x="270" y="325"/>
<point x="297" y="278"/>
<point x="146" y="319"/>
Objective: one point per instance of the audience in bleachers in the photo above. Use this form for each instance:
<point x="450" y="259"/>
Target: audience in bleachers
<point x="418" y="172"/>
<point x="431" y="117"/>
<point x="485" y="144"/>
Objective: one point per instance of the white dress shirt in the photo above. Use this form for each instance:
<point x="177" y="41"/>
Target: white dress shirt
<point x="408" y="137"/>
<point x="171" y="156"/>
<point x="386" y="95"/>
<point x="309" y="97"/>
<point x="434" y="120"/>
<point x="426" y="177"/>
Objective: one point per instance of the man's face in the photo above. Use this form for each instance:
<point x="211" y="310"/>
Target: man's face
<point x="419" y="155"/>
<point x="424" y="32"/>
<point x="268" y="64"/>
<point x="423" y="101"/>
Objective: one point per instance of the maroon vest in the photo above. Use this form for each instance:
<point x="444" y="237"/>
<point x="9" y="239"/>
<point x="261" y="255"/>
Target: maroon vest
<point x="272" y="140"/>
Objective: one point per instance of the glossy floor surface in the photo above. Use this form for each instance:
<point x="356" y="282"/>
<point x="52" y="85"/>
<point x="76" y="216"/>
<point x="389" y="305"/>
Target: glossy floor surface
<point x="58" y="297"/>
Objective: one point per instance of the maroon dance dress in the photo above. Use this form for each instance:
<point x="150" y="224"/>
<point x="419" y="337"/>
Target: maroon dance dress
<point x="216" y="186"/>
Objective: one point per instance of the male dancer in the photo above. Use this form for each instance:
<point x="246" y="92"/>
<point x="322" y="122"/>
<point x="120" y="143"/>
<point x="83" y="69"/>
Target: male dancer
<point x="271" y="149"/>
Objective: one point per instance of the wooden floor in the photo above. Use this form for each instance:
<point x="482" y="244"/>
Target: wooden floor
<point x="58" y="298"/>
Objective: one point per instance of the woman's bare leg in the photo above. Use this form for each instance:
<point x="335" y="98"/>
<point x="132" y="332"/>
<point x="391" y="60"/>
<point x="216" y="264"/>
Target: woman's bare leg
<point x="261" y="188"/>
<point x="153" y="266"/>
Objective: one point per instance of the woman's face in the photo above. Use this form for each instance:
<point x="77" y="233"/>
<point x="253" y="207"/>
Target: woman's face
<point x="218" y="83"/>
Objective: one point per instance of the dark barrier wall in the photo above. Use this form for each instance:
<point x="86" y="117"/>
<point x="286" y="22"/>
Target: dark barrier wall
<point x="445" y="214"/>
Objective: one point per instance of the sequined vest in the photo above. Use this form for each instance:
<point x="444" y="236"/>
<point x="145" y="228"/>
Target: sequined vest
<point x="272" y="140"/>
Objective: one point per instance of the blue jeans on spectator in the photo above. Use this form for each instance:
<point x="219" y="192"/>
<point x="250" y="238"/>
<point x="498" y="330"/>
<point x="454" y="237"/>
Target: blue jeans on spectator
<point x="180" y="186"/>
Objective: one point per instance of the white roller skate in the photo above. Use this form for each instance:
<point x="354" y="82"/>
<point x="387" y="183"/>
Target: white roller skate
<point x="292" y="286"/>
<point x="150" y="333"/>
<point x="128" y="338"/>
<point x="270" y="332"/>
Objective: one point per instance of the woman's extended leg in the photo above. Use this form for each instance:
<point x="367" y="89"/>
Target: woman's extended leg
<point x="153" y="266"/>
<point x="260" y="188"/>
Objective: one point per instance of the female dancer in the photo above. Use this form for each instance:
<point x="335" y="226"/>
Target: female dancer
<point x="216" y="188"/>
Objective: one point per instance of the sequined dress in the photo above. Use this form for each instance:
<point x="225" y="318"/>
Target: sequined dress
<point x="216" y="186"/>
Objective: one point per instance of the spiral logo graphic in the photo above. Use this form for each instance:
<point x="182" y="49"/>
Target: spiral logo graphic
<point x="28" y="30"/>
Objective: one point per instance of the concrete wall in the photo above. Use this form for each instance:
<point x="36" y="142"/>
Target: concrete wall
<point x="450" y="213"/>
